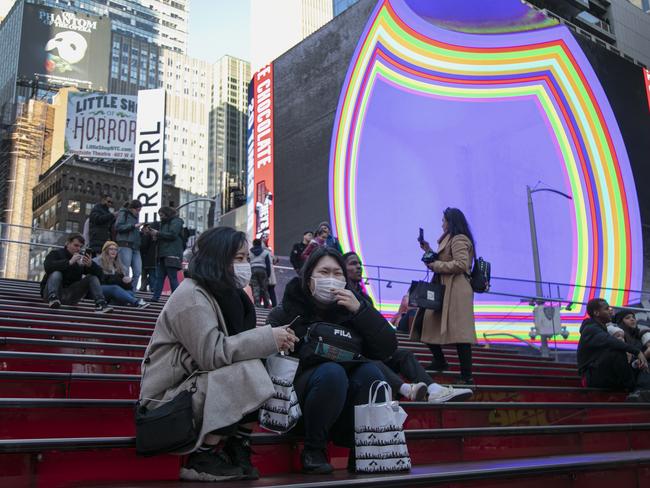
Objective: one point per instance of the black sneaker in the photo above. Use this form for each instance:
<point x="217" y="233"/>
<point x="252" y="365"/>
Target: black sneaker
<point x="439" y="367"/>
<point x="638" y="396"/>
<point x="466" y="380"/>
<point x="209" y="466"/>
<point x="54" y="302"/>
<point x="314" y="461"/>
<point x="239" y="451"/>
<point x="102" y="307"/>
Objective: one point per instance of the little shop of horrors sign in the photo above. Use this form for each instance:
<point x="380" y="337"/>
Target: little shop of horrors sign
<point x="101" y="125"/>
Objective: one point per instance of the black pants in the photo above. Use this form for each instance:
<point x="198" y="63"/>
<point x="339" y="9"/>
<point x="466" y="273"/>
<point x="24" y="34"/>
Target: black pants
<point x="612" y="370"/>
<point x="75" y="292"/>
<point x="403" y="363"/>
<point x="328" y="401"/>
<point x="464" y="356"/>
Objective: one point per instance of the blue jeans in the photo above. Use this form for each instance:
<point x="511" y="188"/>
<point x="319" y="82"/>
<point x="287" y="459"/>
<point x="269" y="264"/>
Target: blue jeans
<point x="118" y="295"/>
<point x="329" y="398"/>
<point x="131" y="259"/>
<point x="163" y="271"/>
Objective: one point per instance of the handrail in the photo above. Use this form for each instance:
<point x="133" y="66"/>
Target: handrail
<point x="493" y="334"/>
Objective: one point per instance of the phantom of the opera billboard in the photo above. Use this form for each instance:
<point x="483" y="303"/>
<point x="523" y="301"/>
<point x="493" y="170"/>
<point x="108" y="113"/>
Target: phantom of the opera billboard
<point x="63" y="47"/>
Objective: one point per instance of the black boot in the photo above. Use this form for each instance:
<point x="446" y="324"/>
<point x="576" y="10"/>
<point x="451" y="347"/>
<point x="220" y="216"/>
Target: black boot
<point x="439" y="362"/>
<point x="209" y="466"/>
<point x="239" y="450"/>
<point x="314" y="461"/>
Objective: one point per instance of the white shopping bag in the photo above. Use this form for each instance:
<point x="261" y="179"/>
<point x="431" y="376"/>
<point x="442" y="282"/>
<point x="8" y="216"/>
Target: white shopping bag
<point x="380" y="444"/>
<point x="281" y="412"/>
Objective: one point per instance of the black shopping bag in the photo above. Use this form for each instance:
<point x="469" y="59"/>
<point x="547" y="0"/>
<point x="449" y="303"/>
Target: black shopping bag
<point x="427" y="295"/>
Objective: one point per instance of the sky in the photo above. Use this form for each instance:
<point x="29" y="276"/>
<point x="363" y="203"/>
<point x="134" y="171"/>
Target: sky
<point x="219" y="27"/>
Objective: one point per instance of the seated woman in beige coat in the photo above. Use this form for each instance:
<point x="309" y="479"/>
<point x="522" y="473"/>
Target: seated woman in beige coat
<point x="454" y="324"/>
<point x="207" y="333"/>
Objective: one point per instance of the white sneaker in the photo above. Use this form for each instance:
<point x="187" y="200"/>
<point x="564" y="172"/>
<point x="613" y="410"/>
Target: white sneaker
<point x="449" y="393"/>
<point x="418" y="392"/>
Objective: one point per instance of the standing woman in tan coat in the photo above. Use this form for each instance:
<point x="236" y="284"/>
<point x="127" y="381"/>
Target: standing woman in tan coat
<point x="454" y="324"/>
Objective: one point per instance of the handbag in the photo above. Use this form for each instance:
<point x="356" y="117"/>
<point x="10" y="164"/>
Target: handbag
<point x="424" y="294"/>
<point x="380" y="443"/>
<point x="173" y="262"/>
<point x="168" y="428"/>
<point x="325" y="342"/>
<point x="281" y="413"/>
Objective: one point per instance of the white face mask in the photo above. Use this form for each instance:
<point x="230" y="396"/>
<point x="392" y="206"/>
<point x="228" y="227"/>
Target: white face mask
<point x="243" y="274"/>
<point x="323" y="288"/>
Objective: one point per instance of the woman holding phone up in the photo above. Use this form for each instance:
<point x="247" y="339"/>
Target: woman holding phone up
<point x="454" y="324"/>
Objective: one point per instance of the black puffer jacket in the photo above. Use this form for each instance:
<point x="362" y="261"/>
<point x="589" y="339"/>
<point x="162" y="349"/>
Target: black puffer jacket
<point x="99" y="230"/>
<point x="379" y="341"/>
<point x="595" y="341"/>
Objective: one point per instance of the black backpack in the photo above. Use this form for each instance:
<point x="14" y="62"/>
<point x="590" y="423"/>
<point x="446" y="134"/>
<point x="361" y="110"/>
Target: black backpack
<point x="480" y="277"/>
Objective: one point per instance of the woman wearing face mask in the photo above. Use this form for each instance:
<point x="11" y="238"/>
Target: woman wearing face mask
<point x="329" y="390"/>
<point x="207" y="333"/>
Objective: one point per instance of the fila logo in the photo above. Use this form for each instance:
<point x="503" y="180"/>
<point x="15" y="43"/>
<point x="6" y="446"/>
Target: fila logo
<point x="342" y="333"/>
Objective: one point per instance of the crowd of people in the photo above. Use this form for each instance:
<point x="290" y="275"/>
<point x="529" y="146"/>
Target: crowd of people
<point x="207" y="329"/>
<point x="117" y="252"/>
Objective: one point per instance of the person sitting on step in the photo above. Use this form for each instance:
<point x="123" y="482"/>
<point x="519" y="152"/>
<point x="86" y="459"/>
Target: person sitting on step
<point x="602" y="359"/>
<point x="206" y="340"/>
<point x="329" y="385"/>
<point x="629" y="330"/>
<point x="70" y="275"/>
<point x="116" y="286"/>
<point x="403" y="362"/>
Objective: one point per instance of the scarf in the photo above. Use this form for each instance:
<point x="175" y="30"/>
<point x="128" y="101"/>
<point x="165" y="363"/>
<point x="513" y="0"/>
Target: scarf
<point x="237" y="310"/>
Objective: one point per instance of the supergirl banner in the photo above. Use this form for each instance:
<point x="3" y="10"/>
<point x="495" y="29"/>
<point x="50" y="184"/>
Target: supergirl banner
<point x="260" y="154"/>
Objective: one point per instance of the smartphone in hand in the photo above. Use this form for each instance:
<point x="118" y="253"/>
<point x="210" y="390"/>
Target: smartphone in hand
<point x="421" y="235"/>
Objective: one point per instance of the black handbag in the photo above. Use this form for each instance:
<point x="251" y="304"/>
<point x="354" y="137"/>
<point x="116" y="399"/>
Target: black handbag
<point x="173" y="262"/>
<point x="423" y="294"/>
<point x="325" y="342"/>
<point x="168" y="428"/>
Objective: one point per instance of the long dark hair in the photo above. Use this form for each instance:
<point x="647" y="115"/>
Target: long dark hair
<point x="308" y="268"/>
<point x="167" y="213"/>
<point x="457" y="224"/>
<point x="213" y="254"/>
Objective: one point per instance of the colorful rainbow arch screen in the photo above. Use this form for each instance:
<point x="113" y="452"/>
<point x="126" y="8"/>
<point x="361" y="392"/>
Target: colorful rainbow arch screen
<point x="440" y="109"/>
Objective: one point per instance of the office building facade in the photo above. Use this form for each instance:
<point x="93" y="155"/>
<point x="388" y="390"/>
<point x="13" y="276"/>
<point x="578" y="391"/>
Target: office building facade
<point x="227" y="147"/>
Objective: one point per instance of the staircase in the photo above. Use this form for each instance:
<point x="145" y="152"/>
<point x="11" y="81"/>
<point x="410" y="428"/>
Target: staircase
<point x="69" y="379"/>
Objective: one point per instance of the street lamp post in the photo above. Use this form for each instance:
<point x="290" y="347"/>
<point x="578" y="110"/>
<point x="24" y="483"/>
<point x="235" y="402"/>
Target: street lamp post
<point x="533" y="239"/>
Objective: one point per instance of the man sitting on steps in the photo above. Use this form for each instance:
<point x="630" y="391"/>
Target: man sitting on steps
<point x="64" y="281"/>
<point x="603" y="360"/>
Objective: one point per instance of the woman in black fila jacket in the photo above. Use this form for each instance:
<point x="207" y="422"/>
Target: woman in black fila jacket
<point x="328" y="391"/>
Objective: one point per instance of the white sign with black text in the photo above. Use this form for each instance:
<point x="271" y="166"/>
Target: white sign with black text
<point x="148" y="165"/>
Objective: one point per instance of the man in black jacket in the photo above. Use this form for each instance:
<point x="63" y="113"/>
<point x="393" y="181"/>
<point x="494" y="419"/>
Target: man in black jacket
<point x="64" y="281"/>
<point x="603" y="360"/>
<point x="100" y="224"/>
<point x="296" y="251"/>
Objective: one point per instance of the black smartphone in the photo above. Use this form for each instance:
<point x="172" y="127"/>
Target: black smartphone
<point x="421" y="235"/>
<point x="88" y="252"/>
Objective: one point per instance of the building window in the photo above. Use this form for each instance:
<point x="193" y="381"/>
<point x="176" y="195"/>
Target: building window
<point x="71" y="226"/>
<point x="74" y="206"/>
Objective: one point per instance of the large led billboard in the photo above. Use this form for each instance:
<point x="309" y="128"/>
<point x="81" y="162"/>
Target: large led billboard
<point x="64" y="47"/>
<point x="422" y="105"/>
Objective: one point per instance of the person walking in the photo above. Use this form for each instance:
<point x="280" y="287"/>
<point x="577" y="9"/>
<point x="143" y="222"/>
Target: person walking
<point x="100" y="224"/>
<point x="454" y="324"/>
<point x="273" y="280"/>
<point x="128" y="238"/>
<point x="169" y="250"/>
<point x="260" y="259"/>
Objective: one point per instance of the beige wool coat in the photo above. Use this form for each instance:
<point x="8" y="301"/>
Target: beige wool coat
<point x="454" y="324"/>
<point x="191" y="336"/>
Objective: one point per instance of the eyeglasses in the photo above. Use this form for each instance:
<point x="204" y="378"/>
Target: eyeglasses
<point x="109" y="202"/>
